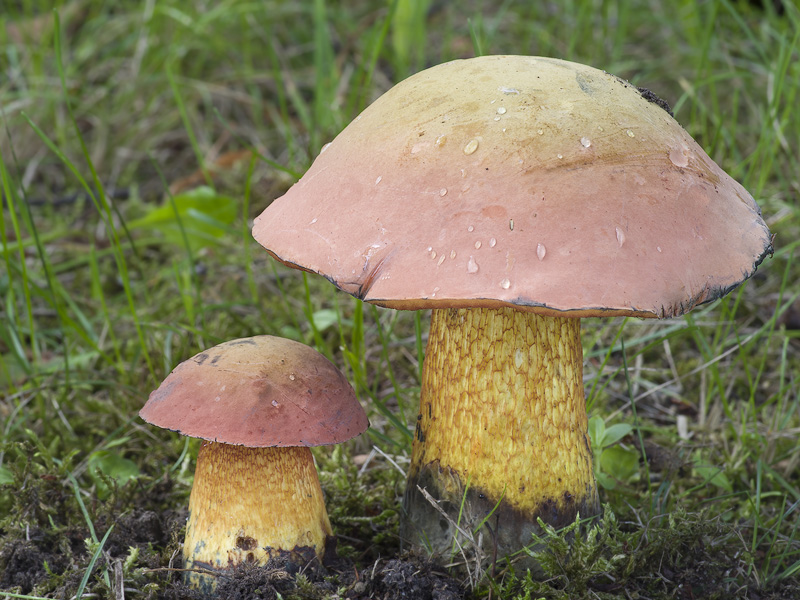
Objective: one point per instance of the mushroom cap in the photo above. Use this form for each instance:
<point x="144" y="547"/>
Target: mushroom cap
<point x="258" y="392"/>
<point x="518" y="181"/>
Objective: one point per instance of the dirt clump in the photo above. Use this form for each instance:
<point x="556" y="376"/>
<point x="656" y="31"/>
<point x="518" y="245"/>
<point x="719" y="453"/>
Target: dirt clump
<point x="411" y="580"/>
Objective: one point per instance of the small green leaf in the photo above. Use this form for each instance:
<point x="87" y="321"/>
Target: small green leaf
<point x="597" y="430"/>
<point x="605" y="481"/>
<point x="5" y="476"/>
<point x="619" y="463"/>
<point x="202" y="214"/>
<point x="714" y="476"/>
<point x="324" y="318"/>
<point x="113" y="466"/>
<point x="615" y="433"/>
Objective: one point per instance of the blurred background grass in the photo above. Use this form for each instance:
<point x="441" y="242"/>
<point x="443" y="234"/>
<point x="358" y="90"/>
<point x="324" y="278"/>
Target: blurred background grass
<point x="139" y="139"/>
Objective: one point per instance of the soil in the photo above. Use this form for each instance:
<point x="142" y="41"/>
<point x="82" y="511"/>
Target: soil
<point x="44" y="562"/>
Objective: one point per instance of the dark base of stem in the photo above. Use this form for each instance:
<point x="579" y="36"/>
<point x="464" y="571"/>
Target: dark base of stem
<point x="498" y="528"/>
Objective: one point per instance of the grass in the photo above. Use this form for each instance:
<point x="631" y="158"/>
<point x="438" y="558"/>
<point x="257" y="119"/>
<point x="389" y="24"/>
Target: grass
<point x="109" y="279"/>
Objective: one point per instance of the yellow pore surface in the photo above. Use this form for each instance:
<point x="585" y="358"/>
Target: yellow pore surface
<point x="503" y="406"/>
<point x="247" y="504"/>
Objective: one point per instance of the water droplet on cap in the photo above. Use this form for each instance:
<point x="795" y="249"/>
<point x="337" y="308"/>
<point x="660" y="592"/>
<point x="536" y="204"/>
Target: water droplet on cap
<point x="630" y="133"/>
<point x="378" y="180"/>
<point x="292" y="377"/>
<point x="586" y="142"/>
<point x="441" y="259"/>
<point x="471" y="146"/>
<point x="470" y="228"/>
<point x="678" y="157"/>
<point x="620" y="236"/>
<point x="508" y="90"/>
<point x="452" y="253"/>
<point x="560" y="155"/>
<point x="443" y="192"/>
<point x="658" y="248"/>
<point x="501" y="110"/>
<point x="478" y="245"/>
<point x="472" y="266"/>
<point x="505" y="284"/>
<point x="541" y="251"/>
<point x="325" y="147"/>
<point x="440" y="141"/>
<point x="492" y="243"/>
<point x="540" y="131"/>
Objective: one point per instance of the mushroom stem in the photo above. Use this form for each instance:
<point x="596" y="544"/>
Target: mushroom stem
<point x="502" y="429"/>
<point x="251" y="504"/>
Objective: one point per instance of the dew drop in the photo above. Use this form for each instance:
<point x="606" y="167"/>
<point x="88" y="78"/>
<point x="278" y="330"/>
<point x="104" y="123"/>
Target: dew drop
<point x="275" y="404"/>
<point x="441" y="260"/>
<point x="511" y="224"/>
<point x="507" y="90"/>
<point x="501" y="110"/>
<point x="540" y="131"/>
<point x="492" y="243"/>
<point x="478" y="245"/>
<point x="586" y="142"/>
<point x="620" y="236"/>
<point x="658" y="248"/>
<point x="497" y="118"/>
<point x="325" y="147"/>
<point x="433" y="254"/>
<point x="470" y="228"/>
<point x="443" y="192"/>
<point x="378" y="180"/>
<point x="630" y="133"/>
<point x="429" y="248"/>
<point x="465" y="187"/>
<point x="599" y="128"/>
<point x="292" y="377"/>
<point x="472" y="266"/>
<point x="560" y="155"/>
<point x="440" y="141"/>
<point x="314" y="220"/>
<point x="463" y="172"/>
<point x="540" y="251"/>
<point x="678" y="157"/>
<point x="452" y="254"/>
<point x="471" y="146"/>
<point x="505" y="284"/>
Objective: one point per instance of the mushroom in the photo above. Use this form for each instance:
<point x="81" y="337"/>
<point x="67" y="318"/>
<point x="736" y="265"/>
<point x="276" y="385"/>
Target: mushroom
<point x="513" y="196"/>
<point x="259" y="403"/>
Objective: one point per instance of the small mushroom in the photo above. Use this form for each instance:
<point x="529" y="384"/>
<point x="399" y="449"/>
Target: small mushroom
<point x="259" y="403"/>
<point x="514" y="196"/>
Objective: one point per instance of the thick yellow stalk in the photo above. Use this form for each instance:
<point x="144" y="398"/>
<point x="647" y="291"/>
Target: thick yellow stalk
<point x="250" y="504"/>
<point x="502" y="424"/>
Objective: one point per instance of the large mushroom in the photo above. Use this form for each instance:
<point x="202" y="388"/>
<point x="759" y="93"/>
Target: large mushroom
<point x="259" y="403"/>
<point x="514" y="196"/>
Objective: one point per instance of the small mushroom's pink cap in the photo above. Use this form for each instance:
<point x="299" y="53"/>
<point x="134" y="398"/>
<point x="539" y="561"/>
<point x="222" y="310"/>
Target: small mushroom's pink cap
<point x="258" y="392"/>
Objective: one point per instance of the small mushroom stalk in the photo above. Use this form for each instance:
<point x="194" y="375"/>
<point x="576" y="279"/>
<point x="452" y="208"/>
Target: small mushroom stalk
<point x="502" y="430"/>
<point x="252" y="504"/>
